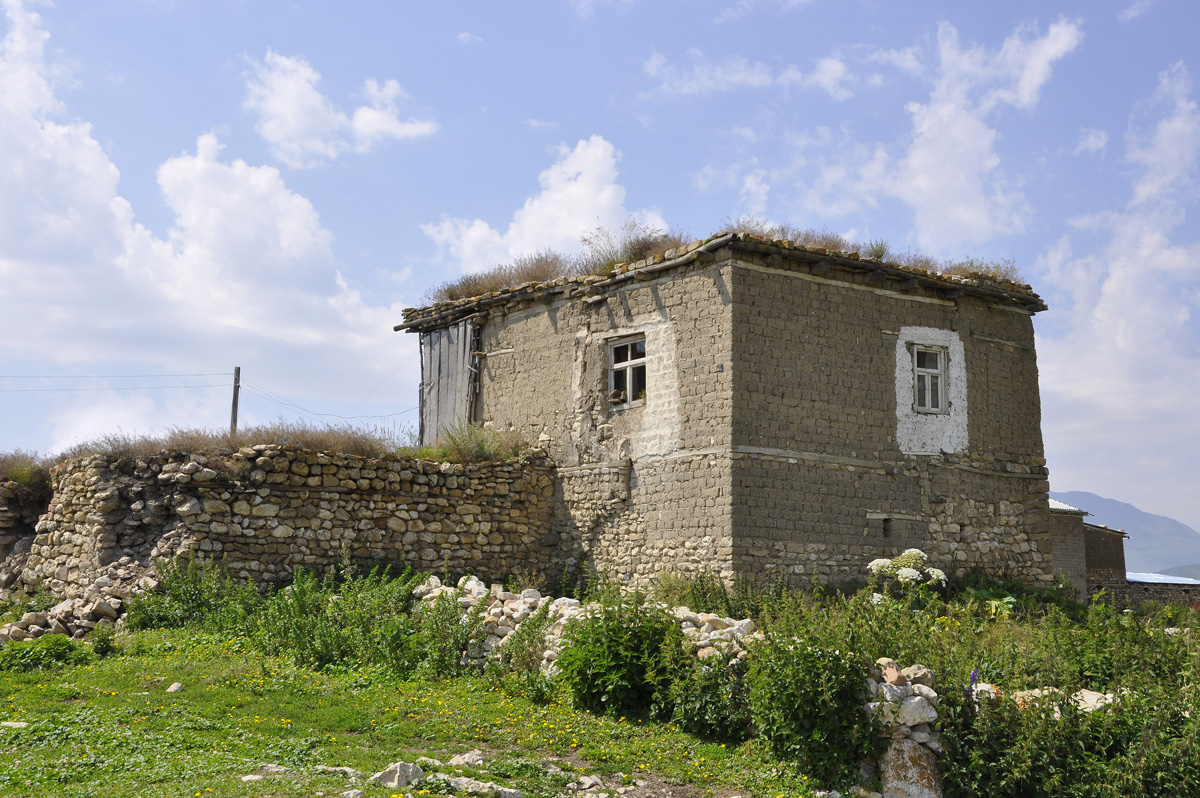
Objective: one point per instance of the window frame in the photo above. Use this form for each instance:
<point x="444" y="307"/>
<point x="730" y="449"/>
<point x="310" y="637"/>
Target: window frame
<point x="628" y="367"/>
<point x="920" y="373"/>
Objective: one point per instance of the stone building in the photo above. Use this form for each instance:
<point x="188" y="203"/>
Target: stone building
<point x="751" y="407"/>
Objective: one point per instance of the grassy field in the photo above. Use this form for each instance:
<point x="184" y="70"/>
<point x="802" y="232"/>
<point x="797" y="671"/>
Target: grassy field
<point x="111" y="729"/>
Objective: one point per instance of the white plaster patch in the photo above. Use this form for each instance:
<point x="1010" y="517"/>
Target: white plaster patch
<point x="660" y="415"/>
<point x="931" y="433"/>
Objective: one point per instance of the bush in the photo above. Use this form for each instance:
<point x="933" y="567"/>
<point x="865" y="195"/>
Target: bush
<point x="1138" y="746"/>
<point x="711" y="699"/>
<point x="446" y="636"/>
<point x="807" y="704"/>
<point x="42" y="654"/>
<point x="360" y="621"/>
<point x="192" y="595"/>
<point x="620" y="658"/>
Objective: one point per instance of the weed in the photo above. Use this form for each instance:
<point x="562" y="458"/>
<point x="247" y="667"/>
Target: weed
<point x="46" y="652"/>
<point x="807" y="705"/>
<point x="192" y="595"/>
<point x="619" y="659"/>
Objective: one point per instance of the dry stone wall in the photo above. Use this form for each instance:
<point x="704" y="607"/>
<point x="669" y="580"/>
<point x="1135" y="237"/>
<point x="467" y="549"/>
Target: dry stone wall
<point x="266" y="511"/>
<point x="20" y="509"/>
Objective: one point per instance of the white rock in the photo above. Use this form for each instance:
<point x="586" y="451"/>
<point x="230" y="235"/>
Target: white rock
<point x="399" y="774"/>
<point x="916" y="709"/>
<point x="175" y="687"/>
<point x="469" y="759"/>
<point x="13" y="724"/>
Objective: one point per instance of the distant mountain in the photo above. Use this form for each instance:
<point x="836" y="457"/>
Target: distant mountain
<point x="1156" y="544"/>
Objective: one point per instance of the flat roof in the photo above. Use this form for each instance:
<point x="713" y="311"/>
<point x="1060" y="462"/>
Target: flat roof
<point x="814" y="259"/>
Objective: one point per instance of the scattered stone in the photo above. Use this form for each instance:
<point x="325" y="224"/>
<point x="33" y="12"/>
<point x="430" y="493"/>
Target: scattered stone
<point x="253" y="777"/>
<point x="352" y="794"/>
<point x="469" y="759"/>
<point x="13" y="724"/>
<point x="399" y="774"/>
<point x="272" y="770"/>
<point x="177" y="687"/>
<point x="348" y="772"/>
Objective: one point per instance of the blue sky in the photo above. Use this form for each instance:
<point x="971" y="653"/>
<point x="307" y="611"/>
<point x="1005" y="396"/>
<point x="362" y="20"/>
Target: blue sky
<point x="192" y="186"/>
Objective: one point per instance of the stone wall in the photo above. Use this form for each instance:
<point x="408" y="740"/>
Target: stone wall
<point x="268" y="510"/>
<point x="20" y="509"/>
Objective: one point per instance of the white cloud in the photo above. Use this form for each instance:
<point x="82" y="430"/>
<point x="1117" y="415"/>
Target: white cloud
<point x="1135" y="10"/>
<point x="1121" y="371"/>
<point x="468" y="38"/>
<point x="246" y="274"/>
<point x="539" y="124"/>
<point x="744" y="7"/>
<point x="584" y="8"/>
<point x="579" y="192"/>
<point x="948" y="175"/>
<point x="304" y="128"/>
<point x="830" y="75"/>
<point x="736" y="72"/>
<point x="705" y="76"/>
<point x="1090" y="140"/>
<point x="755" y="191"/>
<point x="907" y="60"/>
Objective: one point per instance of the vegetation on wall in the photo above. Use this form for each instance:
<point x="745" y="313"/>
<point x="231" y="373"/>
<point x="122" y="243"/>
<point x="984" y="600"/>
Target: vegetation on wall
<point x="604" y="249"/>
<point x="463" y="443"/>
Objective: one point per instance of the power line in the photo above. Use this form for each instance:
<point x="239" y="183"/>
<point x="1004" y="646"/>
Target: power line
<point x="271" y="396"/>
<point x="102" y="376"/>
<point x="126" y="388"/>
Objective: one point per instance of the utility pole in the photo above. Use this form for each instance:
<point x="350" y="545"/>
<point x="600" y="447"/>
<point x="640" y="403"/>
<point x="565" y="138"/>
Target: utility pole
<point x="237" y="386"/>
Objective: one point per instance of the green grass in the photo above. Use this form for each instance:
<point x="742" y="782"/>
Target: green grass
<point x="110" y="728"/>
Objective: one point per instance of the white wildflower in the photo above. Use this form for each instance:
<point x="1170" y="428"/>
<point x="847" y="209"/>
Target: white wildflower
<point x="880" y="566"/>
<point x="908" y="576"/>
<point x="937" y="576"/>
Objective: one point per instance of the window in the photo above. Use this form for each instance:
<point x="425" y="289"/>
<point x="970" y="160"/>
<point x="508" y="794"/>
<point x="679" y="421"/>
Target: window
<point x="929" y="380"/>
<point x="627" y="372"/>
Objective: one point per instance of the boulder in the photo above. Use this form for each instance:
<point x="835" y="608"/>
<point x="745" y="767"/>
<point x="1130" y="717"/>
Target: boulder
<point x="910" y="770"/>
<point x="398" y="774"/>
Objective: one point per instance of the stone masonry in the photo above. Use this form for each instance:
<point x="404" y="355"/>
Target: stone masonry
<point x="269" y="510"/>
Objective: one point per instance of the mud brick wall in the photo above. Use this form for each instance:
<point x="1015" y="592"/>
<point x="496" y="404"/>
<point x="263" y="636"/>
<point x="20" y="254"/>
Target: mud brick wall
<point x="1070" y="555"/>
<point x="643" y="489"/>
<point x="824" y="478"/>
<point x="268" y="510"/>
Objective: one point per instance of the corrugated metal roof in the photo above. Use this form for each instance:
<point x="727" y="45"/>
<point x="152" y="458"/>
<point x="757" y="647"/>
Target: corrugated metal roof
<point x="1055" y="504"/>
<point x="1160" y="579"/>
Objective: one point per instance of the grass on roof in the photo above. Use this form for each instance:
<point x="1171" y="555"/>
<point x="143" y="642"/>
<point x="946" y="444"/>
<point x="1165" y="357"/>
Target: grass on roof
<point x="604" y="249"/>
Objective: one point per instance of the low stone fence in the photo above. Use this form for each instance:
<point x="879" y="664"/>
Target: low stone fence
<point x="266" y="511"/>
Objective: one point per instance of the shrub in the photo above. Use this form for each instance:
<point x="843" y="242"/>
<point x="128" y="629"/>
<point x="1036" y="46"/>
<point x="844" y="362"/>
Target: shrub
<point x="707" y="592"/>
<point x="711" y="699"/>
<point x="1142" y="745"/>
<point x="807" y="705"/>
<point x="192" y="595"/>
<point x="42" y="654"/>
<point x="360" y="621"/>
<point x="446" y="637"/>
<point x="619" y="659"/>
<point x="104" y="641"/>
